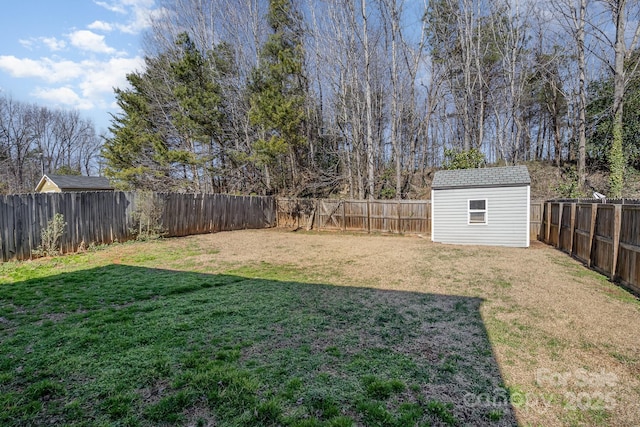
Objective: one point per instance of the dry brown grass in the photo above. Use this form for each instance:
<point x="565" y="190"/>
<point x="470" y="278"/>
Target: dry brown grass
<point x="566" y="340"/>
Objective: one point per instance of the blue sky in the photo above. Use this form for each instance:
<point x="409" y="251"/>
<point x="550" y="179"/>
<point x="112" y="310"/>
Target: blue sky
<point x="71" y="54"/>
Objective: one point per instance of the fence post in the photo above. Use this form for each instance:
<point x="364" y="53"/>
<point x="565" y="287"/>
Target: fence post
<point x="344" y="215"/>
<point x="616" y="240"/>
<point x="592" y="231"/>
<point x="399" y="218"/>
<point x="572" y="226"/>
<point x="314" y="213"/>
<point x="547" y="232"/>
<point x="368" y="217"/>
<point x="560" y="212"/>
<point x="427" y="212"/>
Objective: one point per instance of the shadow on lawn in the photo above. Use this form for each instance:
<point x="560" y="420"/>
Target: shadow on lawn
<point x="142" y="346"/>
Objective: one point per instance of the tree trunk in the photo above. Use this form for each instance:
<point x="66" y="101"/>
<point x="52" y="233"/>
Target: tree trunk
<point x="616" y="155"/>
<point x="368" y="103"/>
<point x="395" y="95"/>
<point x="582" y="96"/>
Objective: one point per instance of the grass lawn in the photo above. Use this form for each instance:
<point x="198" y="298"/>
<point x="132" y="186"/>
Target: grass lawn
<point x="302" y="329"/>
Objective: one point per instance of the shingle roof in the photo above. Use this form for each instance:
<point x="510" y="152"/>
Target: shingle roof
<point x="71" y="182"/>
<point x="506" y="176"/>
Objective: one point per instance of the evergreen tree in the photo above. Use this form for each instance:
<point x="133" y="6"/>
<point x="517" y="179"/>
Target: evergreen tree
<point x="463" y="159"/>
<point x="278" y="100"/>
<point x="131" y="151"/>
<point x="197" y="114"/>
<point x="167" y="135"/>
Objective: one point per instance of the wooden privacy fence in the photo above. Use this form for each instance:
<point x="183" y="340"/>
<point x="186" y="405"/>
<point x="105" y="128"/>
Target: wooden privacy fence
<point x="404" y="216"/>
<point x="387" y="216"/>
<point x="105" y="217"/>
<point x="96" y="217"/>
<point x="604" y="236"/>
<point x="536" y="208"/>
<point x="187" y="214"/>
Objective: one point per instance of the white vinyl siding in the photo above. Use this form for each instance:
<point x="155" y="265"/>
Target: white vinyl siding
<point x="507" y="214"/>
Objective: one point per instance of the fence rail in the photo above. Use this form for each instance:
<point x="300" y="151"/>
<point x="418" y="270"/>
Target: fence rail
<point x="387" y="216"/>
<point x="105" y="217"/>
<point x="405" y="216"/>
<point x="604" y="236"/>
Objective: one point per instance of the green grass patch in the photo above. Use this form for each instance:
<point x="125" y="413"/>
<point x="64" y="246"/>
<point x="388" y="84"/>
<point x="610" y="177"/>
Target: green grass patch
<point x="381" y="389"/>
<point x="442" y="411"/>
<point x="613" y="290"/>
<point x="85" y="343"/>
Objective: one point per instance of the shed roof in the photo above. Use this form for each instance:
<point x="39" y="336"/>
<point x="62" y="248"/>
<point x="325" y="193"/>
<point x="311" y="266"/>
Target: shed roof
<point x="73" y="182"/>
<point x="505" y="176"/>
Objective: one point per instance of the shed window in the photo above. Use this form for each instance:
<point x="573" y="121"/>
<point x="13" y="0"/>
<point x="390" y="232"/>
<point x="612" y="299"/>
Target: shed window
<point x="478" y="211"/>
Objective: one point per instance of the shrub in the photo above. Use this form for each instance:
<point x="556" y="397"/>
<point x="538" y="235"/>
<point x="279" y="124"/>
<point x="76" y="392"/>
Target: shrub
<point x="148" y="216"/>
<point x="470" y="159"/>
<point x="50" y="236"/>
<point x="570" y="186"/>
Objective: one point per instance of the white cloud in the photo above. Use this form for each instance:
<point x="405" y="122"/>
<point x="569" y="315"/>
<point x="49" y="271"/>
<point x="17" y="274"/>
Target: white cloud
<point x="141" y="12"/>
<point x="64" y="96"/>
<point x="100" y="26"/>
<point x="112" y="6"/>
<point x="90" y="41"/>
<point x="104" y="76"/>
<point x="142" y="20"/>
<point x="50" y="42"/>
<point x="53" y="43"/>
<point x="74" y="79"/>
<point x="46" y="69"/>
<point x="63" y="70"/>
<point x="22" y="67"/>
<point x="123" y="6"/>
<point x="27" y="43"/>
<point x="86" y="84"/>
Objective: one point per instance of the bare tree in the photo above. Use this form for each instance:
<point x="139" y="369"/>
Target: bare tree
<point x="460" y="43"/>
<point x="572" y="18"/>
<point x="622" y="53"/>
<point x="35" y="139"/>
<point x="509" y="23"/>
<point x="16" y="132"/>
<point x="368" y="100"/>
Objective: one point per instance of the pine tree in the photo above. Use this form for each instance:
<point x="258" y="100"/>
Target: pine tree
<point x="197" y="113"/>
<point x="130" y="152"/>
<point x="170" y="122"/>
<point x="278" y="99"/>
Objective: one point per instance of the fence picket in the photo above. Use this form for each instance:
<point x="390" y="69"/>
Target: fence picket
<point x="604" y="236"/>
<point x="104" y="217"/>
<point x="404" y="216"/>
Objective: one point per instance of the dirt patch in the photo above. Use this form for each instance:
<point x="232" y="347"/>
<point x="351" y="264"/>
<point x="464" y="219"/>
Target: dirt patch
<point x="565" y="339"/>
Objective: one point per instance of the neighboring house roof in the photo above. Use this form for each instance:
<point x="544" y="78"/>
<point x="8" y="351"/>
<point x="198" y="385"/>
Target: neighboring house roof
<point x="76" y="183"/>
<point x="506" y="176"/>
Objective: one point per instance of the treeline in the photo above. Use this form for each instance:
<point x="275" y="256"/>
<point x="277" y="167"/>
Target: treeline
<point x="36" y="140"/>
<point x="365" y="97"/>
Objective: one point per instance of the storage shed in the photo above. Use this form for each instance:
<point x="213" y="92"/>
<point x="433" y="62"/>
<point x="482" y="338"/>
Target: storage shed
<point x="64" y="183"/>
<point x="488" y="206"/>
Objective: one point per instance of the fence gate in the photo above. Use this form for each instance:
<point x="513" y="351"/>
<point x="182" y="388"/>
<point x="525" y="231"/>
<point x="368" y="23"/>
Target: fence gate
<point x="331" y="214"/>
